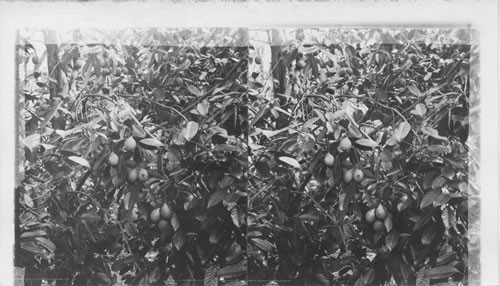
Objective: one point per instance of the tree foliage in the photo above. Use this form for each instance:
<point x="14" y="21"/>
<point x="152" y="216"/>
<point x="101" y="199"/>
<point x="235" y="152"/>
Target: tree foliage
<point x="339" y="157"/>
<point x="177" y="112"/>
<point x="392" y="111"/>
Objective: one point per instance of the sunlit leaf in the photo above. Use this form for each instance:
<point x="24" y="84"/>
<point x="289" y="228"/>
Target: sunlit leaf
<point x="290" y="161"/>
<point x="190" y="131"/>
<point x="153" y="142"/>
<point x="79" y="160"/>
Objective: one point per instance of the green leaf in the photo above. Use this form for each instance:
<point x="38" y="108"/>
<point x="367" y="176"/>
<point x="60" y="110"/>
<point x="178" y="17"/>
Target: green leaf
<point x="190" y="131"/>
<point x="290" y="161"/>
<point x="263" y="244"/>
<point x="366" y="142"/>
<point x="179" y="239"/>
<point x="216" y="198"/>
<point x="210" y="276"/>
<point x="369" y="276"/>
<point x="227" y="148"/>
<point x="32" y="141"/>
<point x="391" y="240"/>
<point x="232" y="271"/>
<point x="439" y="148"/>
<point x="402" y="131"/>
<point x="421" y="279"/>
<point x="433" y="133"/>
<point x="428" y="234"/>
<point x="194" y="90"/>
<point x="441" y="272"/>
<point x="79" y="160"/>
<point x="153" y="142"/>
<point x="28" y="201"/>
<point x="46" y="243"/>
<point x="413" y="89"/>
<point x="429" y="198"/>
<point x="446" y="258"/>
<point x="235" y="216"/>
<point x="34" y="233"/>
<point x="420" y="109"/>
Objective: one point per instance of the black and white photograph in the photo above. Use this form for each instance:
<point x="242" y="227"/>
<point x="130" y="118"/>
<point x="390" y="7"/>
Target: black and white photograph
<point x="361" y="156"/>
<point x="282" y="152"/>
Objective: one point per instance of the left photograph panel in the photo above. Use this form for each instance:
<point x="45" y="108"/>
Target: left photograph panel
<point x="131" y="157"/>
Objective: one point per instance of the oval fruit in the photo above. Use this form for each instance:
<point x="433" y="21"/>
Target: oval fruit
<point x="348" y="176"/>
<point x="342" y="72"/>
<point x="378" y="226"/>
<point x="79" y="63"/>
<point x="113" y="159"/>
<point x="130" y="144"/>
<point x="132" y="175"/>
<point x="118" y="71"/>
<point x="35" y="60"/>
<point x="155" y="215"/>
<point x="165" y="211"/>
<point x="178" y="81"/>
<point x="370" y="216"/>
<point x="143" y="175"/>
<point x="381" y="212"/>
<point x="301" y="64"/>
<point x="164" y="225"/>
<point x="401" y="82"/>
<point x="345" y="145"/>
<point x="358" y="175"/>
<point x="349" y="71"/>
<point x="258" y="60"/>
<point x="329" y="159"/>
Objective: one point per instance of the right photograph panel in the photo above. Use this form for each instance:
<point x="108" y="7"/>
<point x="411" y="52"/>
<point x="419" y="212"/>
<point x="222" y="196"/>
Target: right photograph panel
<point x="363" y="153"/>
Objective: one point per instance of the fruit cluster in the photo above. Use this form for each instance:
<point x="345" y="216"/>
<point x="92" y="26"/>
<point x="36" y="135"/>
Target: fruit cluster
<point x="380" y="218"/>
<point x="164" y="218"/>
<point x="134" y="173"/>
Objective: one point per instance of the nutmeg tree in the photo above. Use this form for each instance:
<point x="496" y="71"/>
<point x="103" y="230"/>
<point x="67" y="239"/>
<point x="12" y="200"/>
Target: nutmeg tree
<point x="359" y="173"/>
<point x="134" y="173"/>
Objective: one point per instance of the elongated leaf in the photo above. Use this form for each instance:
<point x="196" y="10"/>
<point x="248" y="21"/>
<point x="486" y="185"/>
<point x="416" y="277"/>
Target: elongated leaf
<point x="194" y="90"/>
<point x="210" y="276"/>
<point x="369" y="276"/>
<point x="429" y="198"/>
<point x="153" y="142"/>
<point x="428" y="234"/>
<point x="402" y="131"/>
<point x="34" y="233"/>
<point x="263" y="244"/>
<point x="232" y="271"/>
<point x="391" y="240"/>
<point x="433" y="133"/>
<point x="179" y="239"/>
<point x="420" y="109"/>
<point x="32" y="141"/>
<point x="28" y="201"/>
<point x="190" y="130"/>
<point x="413" y="89"/>
<point x="441" y="272"/>
<point x="367" y="143"/>
<point x="421" y="280"/>
<point x="79" y="160"/>
<point x="46" y="243"/>
<point x="215" y="198"/>
<point x="174" y="221"/>
<point x="446" y="258"/>
<point x="290" y="161"/>
<point x="235" y="216"/>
